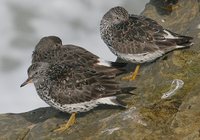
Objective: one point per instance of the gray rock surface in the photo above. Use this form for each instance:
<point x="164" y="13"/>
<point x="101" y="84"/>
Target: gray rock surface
<point x="148" y="117"/>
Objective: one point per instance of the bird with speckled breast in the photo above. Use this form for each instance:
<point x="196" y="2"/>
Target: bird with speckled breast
<point x="138" y="39"/>
<point x="71" y="84"/>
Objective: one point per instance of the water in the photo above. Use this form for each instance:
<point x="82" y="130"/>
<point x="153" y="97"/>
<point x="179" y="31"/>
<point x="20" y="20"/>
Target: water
<point x="24" y="22"/>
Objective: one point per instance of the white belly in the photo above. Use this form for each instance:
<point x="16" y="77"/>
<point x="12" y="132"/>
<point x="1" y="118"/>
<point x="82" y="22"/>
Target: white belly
<point x="140" y="58"/>
<point x="77" y="107"/>
<point x="83" y="106"/>
<point x="69" y="108"/>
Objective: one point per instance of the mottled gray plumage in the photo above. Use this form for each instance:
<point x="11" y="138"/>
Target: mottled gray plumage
<point x="138" y="39"/>
<point x="71" y="79"/>
<point x="50" y="49"/>
<point x="72" y="87"/>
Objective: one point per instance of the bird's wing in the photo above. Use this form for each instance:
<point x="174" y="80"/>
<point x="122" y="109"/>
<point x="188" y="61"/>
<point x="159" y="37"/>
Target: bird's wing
<point x="165" y="39"/>
<point x="74" y="82"/>
<point x="44" y="46"/>
<point x="141" y="35"/>
<point x="62" y="53"/>
<point x="133" y="36"/>
<point x="78" y="53"/>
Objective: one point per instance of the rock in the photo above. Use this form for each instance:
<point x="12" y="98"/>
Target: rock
<point x="148" y="116"/>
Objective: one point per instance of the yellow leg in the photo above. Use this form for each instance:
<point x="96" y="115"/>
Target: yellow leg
<point x="133" y="75"/>
<point x="70" y="122"/>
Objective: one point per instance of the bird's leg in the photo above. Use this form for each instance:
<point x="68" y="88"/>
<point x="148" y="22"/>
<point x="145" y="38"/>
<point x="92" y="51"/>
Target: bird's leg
<point x="135" y="72"/>
<point x="70" y="122"/>
<point x="133" y="75"/>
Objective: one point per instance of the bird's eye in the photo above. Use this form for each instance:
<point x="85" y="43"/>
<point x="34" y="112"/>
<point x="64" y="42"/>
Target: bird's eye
<point x="36" y="73"/>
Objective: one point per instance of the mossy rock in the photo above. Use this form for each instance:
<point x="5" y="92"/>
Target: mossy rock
<point x="148" y="117"/>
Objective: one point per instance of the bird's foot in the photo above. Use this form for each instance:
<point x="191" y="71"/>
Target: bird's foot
<point x="66" y="126"/>
<point x="130" y="77"/>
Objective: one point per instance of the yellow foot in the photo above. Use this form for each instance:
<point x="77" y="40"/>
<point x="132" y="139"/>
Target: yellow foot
<point x="133" y="75"/>
<point x="66" y="126"/>
<point x="130" y="77"/>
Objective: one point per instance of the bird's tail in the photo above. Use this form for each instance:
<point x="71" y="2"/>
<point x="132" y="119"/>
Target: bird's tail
<point x="120" y="66"/>
<point x="127" y="90"/>
<point x="111" y="64"/>
<point x="112" y="100"/>
<point x="180" y="40"/>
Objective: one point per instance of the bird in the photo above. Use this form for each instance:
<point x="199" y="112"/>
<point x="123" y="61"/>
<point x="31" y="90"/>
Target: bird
<point x="138" y="39"/>
<point x="76" y="86"/>
<point x="51" y="49"/>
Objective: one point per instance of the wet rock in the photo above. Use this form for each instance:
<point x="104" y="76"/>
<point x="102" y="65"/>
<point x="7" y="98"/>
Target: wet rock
<point x="148" y="116"/>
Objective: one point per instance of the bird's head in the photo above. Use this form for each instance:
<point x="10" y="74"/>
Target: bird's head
<point x="48" y="43"/>
<point x="115" y="15"/>
<point x="36" y="71"/>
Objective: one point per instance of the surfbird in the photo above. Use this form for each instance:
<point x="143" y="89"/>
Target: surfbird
<point x="50" y="49"/>
<point x="138" y="39"/>
<point x="75" y="85"/>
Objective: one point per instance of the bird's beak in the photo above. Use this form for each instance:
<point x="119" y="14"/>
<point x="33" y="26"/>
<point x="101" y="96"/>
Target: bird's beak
<point x="29" y="80"/>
